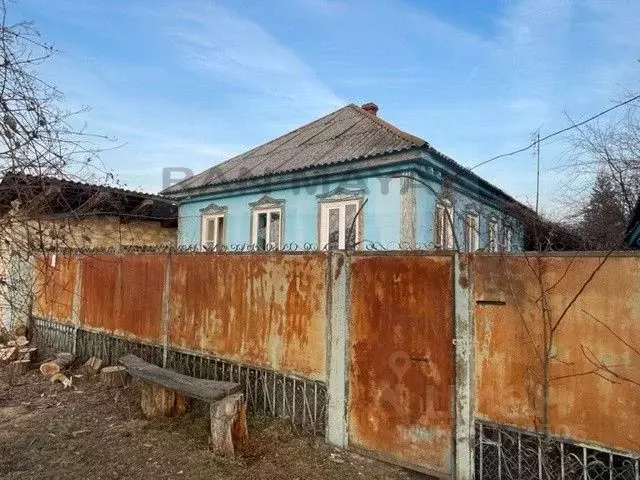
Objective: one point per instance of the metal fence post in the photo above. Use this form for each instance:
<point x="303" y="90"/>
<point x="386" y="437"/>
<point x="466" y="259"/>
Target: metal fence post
<point x="464" y="430"/>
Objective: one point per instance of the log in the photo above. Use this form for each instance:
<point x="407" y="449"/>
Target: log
<point x="58" y="364"/>
<point x="158" y="401"/>
<point x="8" y="354"/>
<point x="18" y="368"/>
<point x="92" y="366"/>
<point x="228" y="424"/>
<point x="27" y="353"/>
<point x="114" y="376"/>
<point x="63" y="379"/>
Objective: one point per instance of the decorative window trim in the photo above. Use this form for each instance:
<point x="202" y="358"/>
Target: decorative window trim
<point x="341" y="194"/>
<point x="213" y="208"/>
<point x="266" y="202"/>
<point x="266" y="205"/>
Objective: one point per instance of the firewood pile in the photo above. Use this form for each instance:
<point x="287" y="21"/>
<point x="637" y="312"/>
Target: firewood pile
<point x="17" y="353"/>
<point x="19" y="356"/>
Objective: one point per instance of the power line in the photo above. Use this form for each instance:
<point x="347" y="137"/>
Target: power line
<point x="575" y="125"/>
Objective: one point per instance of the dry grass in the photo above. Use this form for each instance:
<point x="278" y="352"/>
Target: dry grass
<point x="94" y="432"/>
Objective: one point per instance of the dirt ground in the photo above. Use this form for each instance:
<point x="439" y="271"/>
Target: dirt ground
<point x="91" y="431"/>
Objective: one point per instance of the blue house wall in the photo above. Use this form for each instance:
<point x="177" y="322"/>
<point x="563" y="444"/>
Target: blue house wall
<point x="381" y="219"/>
<point x="382" y="213"/>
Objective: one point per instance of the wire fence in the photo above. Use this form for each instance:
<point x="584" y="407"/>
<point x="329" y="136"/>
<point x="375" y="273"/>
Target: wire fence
<point x="301" y="401"/>
<point x="504" y="453"/>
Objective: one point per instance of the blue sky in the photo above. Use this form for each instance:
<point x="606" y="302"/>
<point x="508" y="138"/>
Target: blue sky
<point x="191" y="83"/>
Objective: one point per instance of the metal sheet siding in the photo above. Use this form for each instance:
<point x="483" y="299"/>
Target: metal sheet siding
<point x="401" y="359"/>
<point x="123" y="295"/>
<point x="586" y="403"/>
<point x="54" y="287"/>
<point x="259" y="310"/>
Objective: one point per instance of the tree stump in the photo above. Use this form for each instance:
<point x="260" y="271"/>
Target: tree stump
<point x="58" y="364"/>
<point x="157" y="401"/>
<point x="19" y="368"/>
<point x="228" y="424"/>
<point x="92" y="366"/>
<point x="114" y="376"/>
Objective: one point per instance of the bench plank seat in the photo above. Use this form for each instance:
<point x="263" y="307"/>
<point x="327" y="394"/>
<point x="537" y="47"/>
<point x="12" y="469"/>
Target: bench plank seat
<point x="206" y="390"/>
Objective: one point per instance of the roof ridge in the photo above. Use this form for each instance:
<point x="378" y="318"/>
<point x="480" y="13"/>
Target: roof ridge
<point x="248" y="152"/>
<point x="417" y="141"/>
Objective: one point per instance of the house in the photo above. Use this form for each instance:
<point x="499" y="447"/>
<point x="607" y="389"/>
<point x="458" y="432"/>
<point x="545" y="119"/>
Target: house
<point x="40" y="212"/>
<point x="341" y="181"/>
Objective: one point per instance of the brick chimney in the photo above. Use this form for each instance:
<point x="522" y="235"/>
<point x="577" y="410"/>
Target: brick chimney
<point x="371" y="108"/>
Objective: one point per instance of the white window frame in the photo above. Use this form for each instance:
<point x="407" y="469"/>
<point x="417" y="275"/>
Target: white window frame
<point x="443" y="237"/>
<point x="492" y="235"/>
<point x="507" y="238"/>
<point x="341" y="206"/>
<point x="269" y="245"/>
<point x="471" y="235"/>
<point x="219" y="238"/>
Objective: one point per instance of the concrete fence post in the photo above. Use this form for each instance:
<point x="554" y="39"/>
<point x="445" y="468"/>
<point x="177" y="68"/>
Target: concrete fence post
<point x="338" y="272"/>
<point x="464" y="388"/>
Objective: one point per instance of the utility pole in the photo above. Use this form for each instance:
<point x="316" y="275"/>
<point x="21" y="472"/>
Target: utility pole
<point x="536" y="141"/>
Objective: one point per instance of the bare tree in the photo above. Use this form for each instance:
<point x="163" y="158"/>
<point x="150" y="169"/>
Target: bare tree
<point x="38" y="137"/>
<point x="604" y="159"/>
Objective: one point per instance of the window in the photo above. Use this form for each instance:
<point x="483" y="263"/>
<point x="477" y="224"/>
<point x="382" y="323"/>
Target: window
<point x="266" y="223"/>
<point x="443" y="231"/>
<point x="507" y="235"/>
<point x="471" y="237"/>
<point x="213" y="227"/>
<point x="213" y="235"/>
<point x="339" y="226"/>
<point x="493" y="236"/>
<point x="267" y="229"/>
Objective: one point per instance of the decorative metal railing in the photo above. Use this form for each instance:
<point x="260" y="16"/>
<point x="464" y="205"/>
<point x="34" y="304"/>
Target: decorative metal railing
<point x="504" y="453"/>
<point x="301" y="401"/>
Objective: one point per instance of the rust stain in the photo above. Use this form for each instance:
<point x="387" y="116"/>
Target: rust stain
<point x="401" y="358"/>
<point x="582" y="406"/>
<point x="123" y="295"/>
<point x="54" y="287"/>
<point x="261" y="310"/>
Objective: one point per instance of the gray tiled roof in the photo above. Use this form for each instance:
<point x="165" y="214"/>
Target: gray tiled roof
<point x="347" y="134"/>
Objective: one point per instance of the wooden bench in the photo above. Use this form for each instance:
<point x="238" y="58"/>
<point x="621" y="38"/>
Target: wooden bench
<point x="165" y="392"/>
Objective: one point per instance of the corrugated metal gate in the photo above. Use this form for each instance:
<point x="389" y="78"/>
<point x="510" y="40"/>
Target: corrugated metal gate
<point x="401" y="360"/>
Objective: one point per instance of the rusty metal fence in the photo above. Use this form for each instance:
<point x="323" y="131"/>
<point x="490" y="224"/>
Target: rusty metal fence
<point x="303" y="402"/>
<point x="504" y="453"/>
